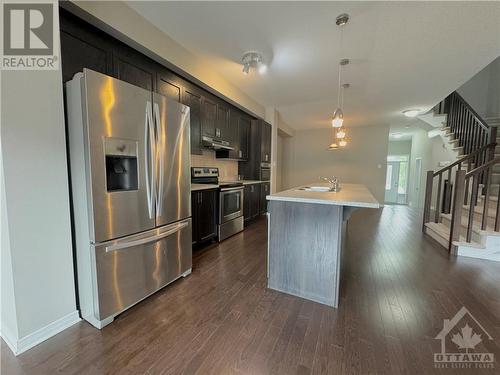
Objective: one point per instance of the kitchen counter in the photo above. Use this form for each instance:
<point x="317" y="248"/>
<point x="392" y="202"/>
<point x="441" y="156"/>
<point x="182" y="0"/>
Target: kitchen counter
<point x="252" y="182"/>
<point x="306" y="231"/>
<point x="352" y="195"/>
<point x="197" y="187"/>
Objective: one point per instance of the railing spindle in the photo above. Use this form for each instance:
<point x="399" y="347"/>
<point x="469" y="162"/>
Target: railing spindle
<point x="486" y="199"/>
<point x="438" y="198"/>
<point x="497" y="219"/>
<point x="456" y="211"/>
<point x="428" y="198"/>
<point x="475" y="185"/>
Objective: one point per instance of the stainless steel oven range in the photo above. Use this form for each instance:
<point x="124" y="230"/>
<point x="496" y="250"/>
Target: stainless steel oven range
<point x="230" y="218"/>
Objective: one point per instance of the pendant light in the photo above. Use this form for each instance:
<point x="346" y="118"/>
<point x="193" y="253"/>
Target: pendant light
<point x="338" y="115"/>
<point x="341" y="132"/>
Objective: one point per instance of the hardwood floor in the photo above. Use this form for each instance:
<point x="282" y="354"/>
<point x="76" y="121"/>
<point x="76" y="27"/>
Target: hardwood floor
<point x="397" y="287"/>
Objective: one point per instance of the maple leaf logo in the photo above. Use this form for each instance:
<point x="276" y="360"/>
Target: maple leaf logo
<point x="467" y="340"/>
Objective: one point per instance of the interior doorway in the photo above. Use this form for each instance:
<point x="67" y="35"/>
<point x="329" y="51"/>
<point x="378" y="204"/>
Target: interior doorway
<point x="396" y="180"/>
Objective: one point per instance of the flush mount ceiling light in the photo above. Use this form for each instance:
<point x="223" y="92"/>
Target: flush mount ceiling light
<point x="411" y="112"/>
<point x="253" y="60"/>
<point x="397" y="135"/>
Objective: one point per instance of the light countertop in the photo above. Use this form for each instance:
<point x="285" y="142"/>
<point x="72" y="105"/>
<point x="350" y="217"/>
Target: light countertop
<point x="353" y="195"/>
<point x="252" y="182"/>
<point x="197" y="187"/>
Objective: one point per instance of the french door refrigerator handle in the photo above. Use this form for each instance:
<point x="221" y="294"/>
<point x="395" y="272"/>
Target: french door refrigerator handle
<point x="148" y="156"/>
<point x="160" y="155"/>
<point x="142" y="241"/>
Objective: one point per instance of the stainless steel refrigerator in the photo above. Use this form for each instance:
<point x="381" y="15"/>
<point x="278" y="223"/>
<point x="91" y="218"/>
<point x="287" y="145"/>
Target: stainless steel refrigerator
<point x="130" y="177"/>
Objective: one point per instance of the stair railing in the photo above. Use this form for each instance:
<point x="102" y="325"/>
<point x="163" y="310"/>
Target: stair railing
<point x="478" y="141"/>
<point x="460" y="199"/>
<point x="471" y="131"/>
<point x="441" y="205"/>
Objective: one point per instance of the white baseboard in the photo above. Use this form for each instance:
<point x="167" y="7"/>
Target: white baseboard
<point x="43" y="333"/>
<point x="11" y="342"/>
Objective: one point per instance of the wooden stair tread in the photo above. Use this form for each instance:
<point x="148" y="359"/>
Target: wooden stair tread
<point x="478" y="210"/>
<point x="476" y="225"/>
<point x="444" y="232"/>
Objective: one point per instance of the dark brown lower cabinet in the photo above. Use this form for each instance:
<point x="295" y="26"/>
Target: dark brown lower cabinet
<point x="204" y="211"/>
<point x="251" y="202"/>
<point x="265" y="189"/>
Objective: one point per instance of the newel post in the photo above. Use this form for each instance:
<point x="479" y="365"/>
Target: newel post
<point x="456" y="212"/>
<point x="428" y="198"/>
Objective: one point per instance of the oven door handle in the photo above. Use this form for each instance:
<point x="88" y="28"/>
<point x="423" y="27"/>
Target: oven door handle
<point x="232" y="189"/>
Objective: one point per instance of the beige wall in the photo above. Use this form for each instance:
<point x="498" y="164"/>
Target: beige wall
<point x="482" y="91"/>
<point x="126" y="24"/>
<point x="306" y="157"/>
<point x="421" y="148"/>
<point x="228" y="169"/>
<point x="399" y="148"/>
<point x="36" y="203"/>
<point x="279" y="163"/>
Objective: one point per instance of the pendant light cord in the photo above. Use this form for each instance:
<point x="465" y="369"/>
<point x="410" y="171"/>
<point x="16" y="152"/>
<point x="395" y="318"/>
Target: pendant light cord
<point x="339" y="94"/>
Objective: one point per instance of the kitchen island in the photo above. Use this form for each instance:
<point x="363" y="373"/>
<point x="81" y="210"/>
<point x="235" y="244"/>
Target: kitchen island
<point x="306" y="230"/>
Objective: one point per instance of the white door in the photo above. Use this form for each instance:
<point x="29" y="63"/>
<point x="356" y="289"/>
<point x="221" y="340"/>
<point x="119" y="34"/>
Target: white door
<point x="392" y="182"/>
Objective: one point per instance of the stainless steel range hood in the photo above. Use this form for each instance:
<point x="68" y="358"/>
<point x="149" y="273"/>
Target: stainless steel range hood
<point x="216" y="144"/>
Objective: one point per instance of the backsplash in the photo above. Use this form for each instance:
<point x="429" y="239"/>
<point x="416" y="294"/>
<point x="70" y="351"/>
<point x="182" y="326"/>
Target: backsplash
<point x="228" y="169"/>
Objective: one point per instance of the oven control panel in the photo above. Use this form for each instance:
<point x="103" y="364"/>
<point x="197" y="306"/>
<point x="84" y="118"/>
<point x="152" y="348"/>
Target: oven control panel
<point x="204" y="172"/>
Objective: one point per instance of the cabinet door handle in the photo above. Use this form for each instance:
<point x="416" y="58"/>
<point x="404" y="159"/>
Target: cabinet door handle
<point x="201" y="197"/>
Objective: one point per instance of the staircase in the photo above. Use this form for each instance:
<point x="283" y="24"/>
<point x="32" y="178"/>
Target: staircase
<point x="462" y="210"/>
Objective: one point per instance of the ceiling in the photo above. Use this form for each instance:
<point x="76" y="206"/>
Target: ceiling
<point x="403" y="54"/>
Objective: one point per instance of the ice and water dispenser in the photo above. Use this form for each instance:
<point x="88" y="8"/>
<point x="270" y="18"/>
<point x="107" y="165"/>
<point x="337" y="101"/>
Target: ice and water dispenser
<point x="121" y="164"/>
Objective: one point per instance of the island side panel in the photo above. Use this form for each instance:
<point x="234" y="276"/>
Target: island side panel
<point x="304" y="250"/>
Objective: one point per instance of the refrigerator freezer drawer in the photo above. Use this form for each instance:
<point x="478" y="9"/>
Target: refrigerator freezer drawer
<point x="131" y="268"/>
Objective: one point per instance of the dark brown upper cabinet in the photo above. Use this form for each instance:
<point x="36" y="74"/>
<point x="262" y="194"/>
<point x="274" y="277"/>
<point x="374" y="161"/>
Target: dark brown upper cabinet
<point x="192" y="98"/>
<point x="131" y="67"/>
<point x="222" y="124"/>
<point x="88" y="56"/>
<point x="260" y="150"/>
<point x="169" y="85"/>
<point x="83" y="46"/>
<point x="266" y="133"/>
<point x="237" y="135"/>
<point x="86" y="46"/>
<point x="208" y="116"/>
<point x="244" y="124"/>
